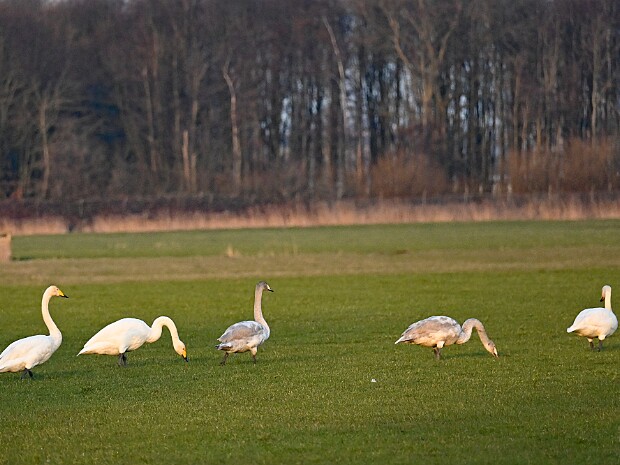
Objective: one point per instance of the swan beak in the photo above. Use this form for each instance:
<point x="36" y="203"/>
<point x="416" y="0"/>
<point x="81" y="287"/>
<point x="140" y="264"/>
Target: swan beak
<point x="184" y="355"/>
<point x="495" y="354"/>
<point x="602" y="299"/>
<point x="62" y="294"/>
<point x="269" y="289"/>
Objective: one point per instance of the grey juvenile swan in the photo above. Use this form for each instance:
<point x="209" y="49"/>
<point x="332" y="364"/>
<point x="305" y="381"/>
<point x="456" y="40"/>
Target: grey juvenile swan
<point x="247" y="335"/>
<point x="440" y="331"/>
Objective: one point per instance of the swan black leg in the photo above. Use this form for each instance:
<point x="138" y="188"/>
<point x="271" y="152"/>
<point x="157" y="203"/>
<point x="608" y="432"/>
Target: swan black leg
<point x="591" y="344"/>
<point x="437" y="351"/>
<point x="600" y="345"/>
<point x="27" y="372"/>
<point x="122" y="360"/>
<point x="223" y="362"/>
<point x="254" y="357"/>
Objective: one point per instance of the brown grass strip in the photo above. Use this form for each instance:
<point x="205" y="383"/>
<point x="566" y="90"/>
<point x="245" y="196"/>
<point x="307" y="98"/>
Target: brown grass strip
<point x="326" y="214"/>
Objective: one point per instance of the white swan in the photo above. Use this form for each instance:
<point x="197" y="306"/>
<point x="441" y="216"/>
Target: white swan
<point x="247" y="335"/>
<point x="129" y="334"/>
<point x="34" y="350"/>
<point x="440" y="331"/>
<point x="596" y="322"/>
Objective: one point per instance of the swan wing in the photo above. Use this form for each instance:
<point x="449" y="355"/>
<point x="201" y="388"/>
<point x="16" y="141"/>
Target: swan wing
<point x="594" y="322"/>
<point x="432" y="330"/>
<point x="242" y="330"/>
<point x="27" y="353"/>
<point x="119" y="337"/>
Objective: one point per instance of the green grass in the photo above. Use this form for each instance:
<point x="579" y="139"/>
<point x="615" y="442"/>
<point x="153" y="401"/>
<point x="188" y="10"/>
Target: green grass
<point x="342" y="297"/>
<point x="355" y="239"/>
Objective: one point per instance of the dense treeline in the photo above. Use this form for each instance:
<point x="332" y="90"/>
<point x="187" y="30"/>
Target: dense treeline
<point x="312" y="99"/>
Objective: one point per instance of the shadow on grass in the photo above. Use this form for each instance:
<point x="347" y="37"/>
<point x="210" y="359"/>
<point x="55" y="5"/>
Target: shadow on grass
<point x="459" y="355"/>
<point x="606" y="347"/>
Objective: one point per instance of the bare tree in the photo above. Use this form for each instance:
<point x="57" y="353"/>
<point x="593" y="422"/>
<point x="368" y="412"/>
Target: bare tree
<point x="420" y="33"/>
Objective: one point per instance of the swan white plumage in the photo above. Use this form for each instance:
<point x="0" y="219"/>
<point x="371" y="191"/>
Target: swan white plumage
<point x="129" y="334"/>
<point x="596" y="322"/>
<point x="247" y="335"/>
<point x="440" y="331"/>
<point x="26" y="353"/>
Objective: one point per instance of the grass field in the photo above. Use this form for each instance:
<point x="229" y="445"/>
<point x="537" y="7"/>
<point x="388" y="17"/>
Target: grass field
<point x="342" y="296"/>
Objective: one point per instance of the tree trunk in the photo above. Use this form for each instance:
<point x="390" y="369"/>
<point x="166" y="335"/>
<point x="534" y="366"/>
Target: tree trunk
<point x="236" y="143"/>
<point x="150" y="122"/>
<point x="45" y="147"/>
<point x="341" y="154"/>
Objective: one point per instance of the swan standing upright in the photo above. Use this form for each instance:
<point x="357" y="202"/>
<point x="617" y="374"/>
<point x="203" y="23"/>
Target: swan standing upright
<point x="596" y="322"/>
<point x="247" y="335"/>
<point x="440" y="331"/>
<point x="29" y="352"/>
<point x="129" y="334"/>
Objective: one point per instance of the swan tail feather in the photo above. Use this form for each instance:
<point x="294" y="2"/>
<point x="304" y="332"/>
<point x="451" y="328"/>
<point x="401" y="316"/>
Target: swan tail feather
<point x="405" y="338"/>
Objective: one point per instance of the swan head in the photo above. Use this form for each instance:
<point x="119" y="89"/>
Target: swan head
<point x="490" y="347"/>
<point x="179" y="348"/>
<point x="605" y="291"/>
<point x="53" y="291"/>
<point x="262" y="285"/>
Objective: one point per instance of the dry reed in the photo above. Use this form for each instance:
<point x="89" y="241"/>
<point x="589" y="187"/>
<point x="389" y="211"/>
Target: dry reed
<point x="326" y="214"/>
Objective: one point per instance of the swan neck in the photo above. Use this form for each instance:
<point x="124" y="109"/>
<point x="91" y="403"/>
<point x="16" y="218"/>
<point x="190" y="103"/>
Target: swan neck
<point x="468" y="327"/>
<point x="157" y="326"/>
<point x="466" y="330"/>
<point x="608" y="299"/>
<point x="47" y="318"/>
<point x="258" y="308"/>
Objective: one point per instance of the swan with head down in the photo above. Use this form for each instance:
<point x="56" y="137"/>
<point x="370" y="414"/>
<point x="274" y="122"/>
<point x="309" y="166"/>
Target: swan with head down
<point x="440" y="331"/>
<point x="129" y="334"/>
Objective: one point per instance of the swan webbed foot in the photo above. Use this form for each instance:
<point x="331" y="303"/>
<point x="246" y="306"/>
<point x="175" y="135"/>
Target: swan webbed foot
<point x="122" y="360"/>
<point x="223" y="362"/>
<point x="27" y="372"/>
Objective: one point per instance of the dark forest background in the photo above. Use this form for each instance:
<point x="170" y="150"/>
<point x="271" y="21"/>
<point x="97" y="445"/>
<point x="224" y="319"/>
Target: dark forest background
<point x="280" y="100"/>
